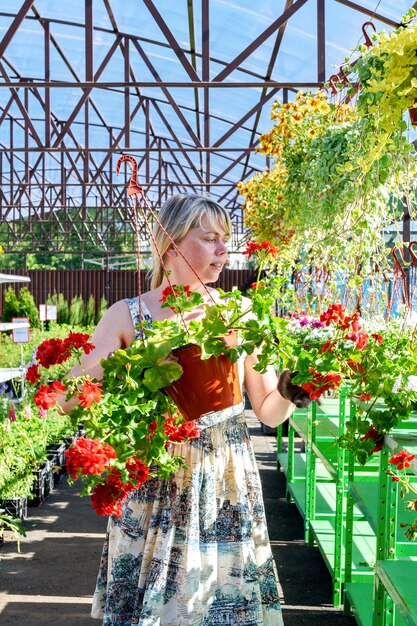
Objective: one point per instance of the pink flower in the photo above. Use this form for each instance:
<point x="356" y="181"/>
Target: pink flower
<point x="12" y="413"/>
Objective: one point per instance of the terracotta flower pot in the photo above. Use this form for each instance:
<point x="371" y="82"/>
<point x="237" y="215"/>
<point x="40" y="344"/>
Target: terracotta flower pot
<point x="413" y="114"/>
<point x="205" y="385"/>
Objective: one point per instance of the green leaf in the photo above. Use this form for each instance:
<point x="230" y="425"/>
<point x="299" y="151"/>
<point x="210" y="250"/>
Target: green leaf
<point x="162" y="375"/>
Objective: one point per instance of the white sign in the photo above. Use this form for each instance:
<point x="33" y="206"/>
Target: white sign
<point x="21" y="335"/>
<point x="47" y="312"/>
<point x="51" y="312"/>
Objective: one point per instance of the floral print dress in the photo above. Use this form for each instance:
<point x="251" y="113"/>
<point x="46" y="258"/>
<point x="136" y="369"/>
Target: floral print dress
<point x="193" y="550"/>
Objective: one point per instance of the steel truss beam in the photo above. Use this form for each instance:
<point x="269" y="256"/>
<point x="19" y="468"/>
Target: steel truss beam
<point x="58" y="190"/>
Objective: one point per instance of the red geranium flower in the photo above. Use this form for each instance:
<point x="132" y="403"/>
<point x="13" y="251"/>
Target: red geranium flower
<point x="179" y="433"/>
<point x="108" y="498"/>
<point x="375" y="436"/>
<point x="45" y="397"/>
<point x="377" y="337"/>
<point x="360" y="338"/>
<point x="137" y="470"/>
<point x="402" y="460"/>
<point x="57" y="387"/>
<point x="252" y="247"/>
<point x="79" y="341"/>
<point x="90" y="393"/>
<point x="105" y="499"/>
<point x="172" y="290"/>
<point x="327" y="347"/>
<point x="321" y="383"/>
<point x="52" y="352"/>
<point x="358" y="368"/>
<point x="335" y="314"/>
<point x="32" y="374"/>
<point x="152" y="429"/>
<point x="89" y="456"/>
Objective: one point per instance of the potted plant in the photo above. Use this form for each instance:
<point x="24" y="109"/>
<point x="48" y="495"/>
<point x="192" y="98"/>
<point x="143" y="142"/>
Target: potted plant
<point x="374" y="360"/>
<point x="9" y="523"/>
<point x="133" y="414"/>
<point x="387" y="75"/>
<point x="25" y="434"/>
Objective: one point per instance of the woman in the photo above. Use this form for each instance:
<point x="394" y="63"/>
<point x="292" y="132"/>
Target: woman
<point x="192" y="550"/>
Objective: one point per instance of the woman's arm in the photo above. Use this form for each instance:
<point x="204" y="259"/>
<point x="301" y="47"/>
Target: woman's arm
<point x="269" y="405"/>
<point x="114" y="331"/>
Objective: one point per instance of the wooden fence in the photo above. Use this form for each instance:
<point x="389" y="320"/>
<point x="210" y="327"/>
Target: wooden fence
<point x="112" y="284"/>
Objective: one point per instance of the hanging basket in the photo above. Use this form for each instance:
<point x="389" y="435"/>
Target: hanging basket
<point x="205" y="385"/>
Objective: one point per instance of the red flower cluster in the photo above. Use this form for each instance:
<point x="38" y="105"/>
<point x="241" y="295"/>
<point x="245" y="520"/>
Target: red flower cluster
<point x="321" y="383"/>
<point x="152" y="426"/>
<point x="108" y="498"/>
<point x="105" y="499"/>
<point x="402" y="460"/>
<point x="46" y="395"/>
<point x="172" y="290"/>
<point x="261" y="285"/>
<point x="79" y="341"/>
<point x="375" y="436"/>
<point x="359" y="337"/>
<point x="356" y="367"/>
<point x="55" y="351"/>
<point x="335" y="314"/>
<point x="137" y="470"/>
<point x="179" y="433"/>
<point x="252" y="247"/>
<point x="88" y="456"/>
<point x="327" y="347"/>
<point x="52" y="352"/>
<point x="32" y="374"/>
<point x="90" y="393"/>
<point x="377" y="337"/>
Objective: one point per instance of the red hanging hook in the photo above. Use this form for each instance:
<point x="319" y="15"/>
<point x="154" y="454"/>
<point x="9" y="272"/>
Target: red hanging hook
<point x="398" y="268"/>
<point x="342" y="76"/>
<point x="134" y="187"/>
<point x="368" y="41"/>
<point x="333" y="80"/>
<point x="412" y="253"/>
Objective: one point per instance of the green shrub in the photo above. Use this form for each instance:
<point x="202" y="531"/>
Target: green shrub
<point x="28" y="308"/>
<point x="77" y="311"/>
<point x="11" y="305"/>
<point x="90" y="312"/>
<point x="102" y="309"/>
<point x="61" y="305"/>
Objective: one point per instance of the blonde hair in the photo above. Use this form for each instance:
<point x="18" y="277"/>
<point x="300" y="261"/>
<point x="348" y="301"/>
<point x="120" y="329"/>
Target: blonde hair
<point x="177" y="216"/>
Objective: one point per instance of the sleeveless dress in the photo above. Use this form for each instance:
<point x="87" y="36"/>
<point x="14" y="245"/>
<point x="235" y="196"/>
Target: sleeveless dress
<point x="193" y="550"/>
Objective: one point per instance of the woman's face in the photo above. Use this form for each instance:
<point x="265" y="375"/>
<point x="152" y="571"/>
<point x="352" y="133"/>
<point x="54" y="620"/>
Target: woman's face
<point x="205" y="249"/>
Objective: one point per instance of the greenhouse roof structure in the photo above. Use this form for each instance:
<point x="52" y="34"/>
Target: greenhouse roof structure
<point x="185" y="87"/>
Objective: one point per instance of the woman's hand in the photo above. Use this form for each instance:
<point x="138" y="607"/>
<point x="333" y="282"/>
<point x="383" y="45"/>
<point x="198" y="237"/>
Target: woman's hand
<point x="293" y="393"/>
